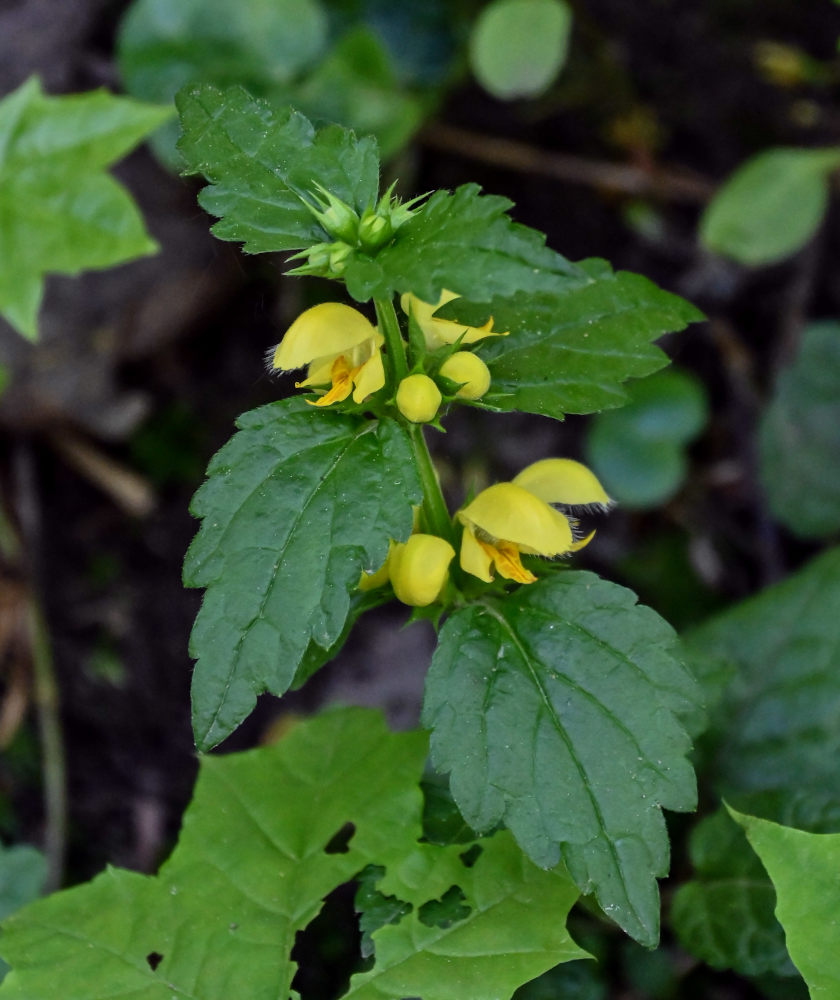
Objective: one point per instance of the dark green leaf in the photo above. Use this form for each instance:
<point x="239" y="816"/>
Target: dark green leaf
<point x="463" y="241"/>
<point x="59" y="209"/>
<point x="518" y="47"/>
<point x="800" y="437"/>
<point x="725" y="914"/>
<point x="638" y="450"/>
<point x="775" y="730"/>
<point x="376" y="909"/>
<point x="251" y="870"/>
<point x="569" y="349"/>
<point x="260" y="161"/>
<point x="296" y="506"/>
<point x="554" y="711"/>
<point x="804" y="867"/>
<point x="771" y="206"/>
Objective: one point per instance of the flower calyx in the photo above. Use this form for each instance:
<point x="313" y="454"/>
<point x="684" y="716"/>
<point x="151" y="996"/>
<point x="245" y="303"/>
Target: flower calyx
<point x="341" y="350"/>
<point x="508" y="520"/>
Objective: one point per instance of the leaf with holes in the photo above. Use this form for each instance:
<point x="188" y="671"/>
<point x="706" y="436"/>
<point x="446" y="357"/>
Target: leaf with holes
<point x="294" y="509"/>
<point x="60" y="211"/>
<point x="260" y="161"/>
<point x="569" y="348"/>
<point x="253" y="863"/>
<point x="554" y="710"/>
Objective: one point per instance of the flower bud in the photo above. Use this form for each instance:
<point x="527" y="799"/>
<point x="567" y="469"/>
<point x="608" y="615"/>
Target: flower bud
<point x="420" y="569"/>
<point x="467" y="368"/>
<point x="335" y="215"/>
<point x="418" y="398"/>
<point x="374" y="230"/>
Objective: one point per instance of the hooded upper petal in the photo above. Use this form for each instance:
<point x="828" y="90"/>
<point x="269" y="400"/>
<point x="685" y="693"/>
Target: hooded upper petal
<point x="324" y="331"/>
<point x="511" y="513"/>
<point x="562" y="480"/>
<point x="439" y="332"/>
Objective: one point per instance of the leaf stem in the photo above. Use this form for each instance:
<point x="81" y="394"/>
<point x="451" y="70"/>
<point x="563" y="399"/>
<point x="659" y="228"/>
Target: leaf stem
<point x="389" y="327"/>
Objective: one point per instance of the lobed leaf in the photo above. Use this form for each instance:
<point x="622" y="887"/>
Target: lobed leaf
<point x="803" y="867"/>
<point x="554" y="710"/>
<point x="800" y="437"/>
<point x="252" y="867"/>
<point x="59" y="210"/>
<point x="294" y="509"/>
<point x="260" y="161"/>
<point x="569" y="349"/>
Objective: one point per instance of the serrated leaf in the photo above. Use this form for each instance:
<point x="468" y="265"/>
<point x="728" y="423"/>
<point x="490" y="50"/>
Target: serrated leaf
<point x="638" y="451"/>
<point x="260" y="44"/>
<point x="260" y="160"/>
<point x="800" y="437"/>
<point x="59" y="209"/>
<point x="251" y="869"/>
<point x="296" y="506"/>
<point x="554" y="710"/>
<point x="771" y="206"/>
<point x="804" y="867"/>
<point x="775" y="730"/>
<point x="569" y="349"/>
<point x="464" y="241"/>
<point x="518" y="47"/>
<point x="724" y="915"/>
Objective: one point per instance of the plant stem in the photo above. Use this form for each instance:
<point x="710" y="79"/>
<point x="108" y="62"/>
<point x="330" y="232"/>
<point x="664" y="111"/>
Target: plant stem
<point x="389" y="327"/>
<point x="434" y="506"/>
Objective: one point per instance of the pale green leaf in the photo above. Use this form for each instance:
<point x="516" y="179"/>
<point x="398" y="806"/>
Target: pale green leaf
<point x="518" y="47"/>
<point x="724" y="915"/>
<point x="800" y="437"/>
<point x="297" y="504"/>
<point x="251" y="870"/>
<point x="804" y="868"/>
<point x="775" y="730"/>
<point x="261" y="162"/>
<point x="554" y="711"/>
<point x="23" y="871"/>
<point x="569" y="350"/>
<point x="771" y="206"/>
<point x="638" y="451"/>
<point x="59" y="210"/>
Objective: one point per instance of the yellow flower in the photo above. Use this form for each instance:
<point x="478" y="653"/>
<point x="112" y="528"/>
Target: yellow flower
<point x="509" y="519"/>
<point x="341" y="348"/>
<point x="440" y="332"/>
<point x="418" y="398"/>
<point x="469" y="371"/>
<point x="420" y="568"/>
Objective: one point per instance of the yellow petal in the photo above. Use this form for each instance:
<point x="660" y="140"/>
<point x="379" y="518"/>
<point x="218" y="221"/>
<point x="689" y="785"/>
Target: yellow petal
<point x="562" y="480"/>
<point x="438" y="332"/>
<point x="508" y="512"/>
<point x="370" y="377"/>
<point x="507" y="561"/>
<point x="474" y="558"/>
<point x="420" y="569"/>
<point x="318" y="373"/>
<point x="325" y="330"/>
<point x="342" y="382"/>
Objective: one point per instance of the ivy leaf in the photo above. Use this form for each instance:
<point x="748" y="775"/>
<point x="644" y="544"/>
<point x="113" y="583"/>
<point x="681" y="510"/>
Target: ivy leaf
<point x="465" y="241"/>
<point x="775" y="730"/>
<point x="554" y="710"/>
<point x="803" y="867"/>
<point x="569" y="349"/>
<point x="294" y="509"/>
<point x="800" y="437"/>
<point x="252" y="867"/>
<point x="260" y="160"/>
<point x="724" y="915"/>
<point x="59" y="210"/>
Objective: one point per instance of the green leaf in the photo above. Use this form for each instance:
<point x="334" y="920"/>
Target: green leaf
<point x="638" y="451"/>
<point x="800" y="437"/>
<point x="260" y="44"/>
<point x="466" y="242"/>
<point x="554" y="710"/>
<point x="771" y="206"/>
<point x="804" y="867"/>
<point x="251" y="870"/>
<point x="59" y="210"/>
<point x="724" y="915"/>
<point x="775" y="730"/>
<point x="518" y="47"/>
<point x="260" y="161"/>
<point x="569" y="349"/>
<point x="296" y="506"/>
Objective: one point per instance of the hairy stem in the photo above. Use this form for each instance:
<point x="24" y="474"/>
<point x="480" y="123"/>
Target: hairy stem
<point x="435" y="510"/>
<point x="395" y="363"/>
